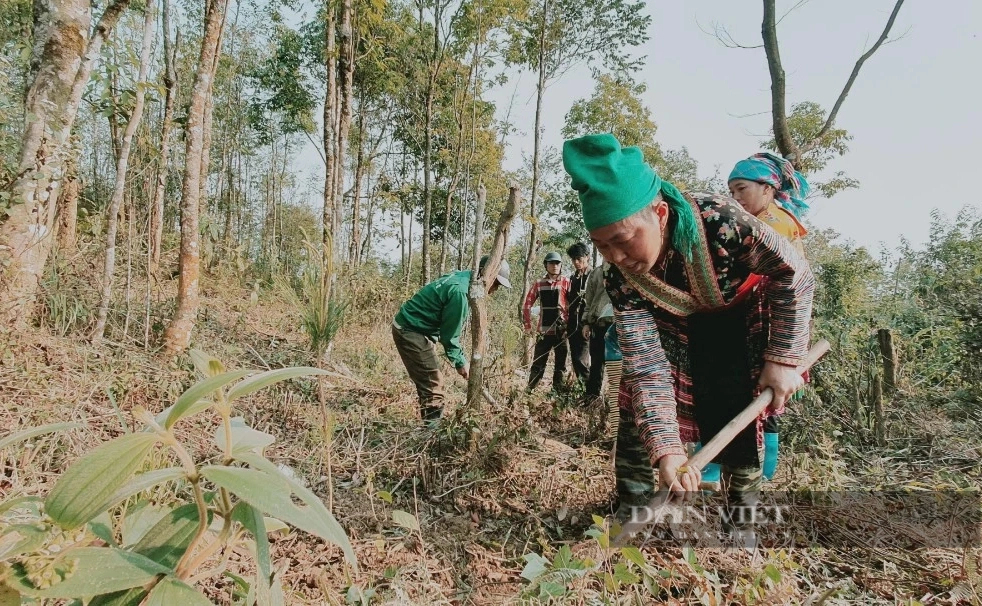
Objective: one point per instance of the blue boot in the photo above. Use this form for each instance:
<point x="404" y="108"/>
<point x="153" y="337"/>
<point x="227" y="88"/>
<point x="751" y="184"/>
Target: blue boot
<point x="711" y="472"/>
<point x="771" y="448"/>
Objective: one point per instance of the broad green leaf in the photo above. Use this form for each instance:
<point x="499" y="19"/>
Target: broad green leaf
<point x="9" y="596"/>
<point x="633" y="554"/>
<point x="100" y="570"/>
<point x="102" y="527"/>
<point x="405" y="520"/>
<point x="773" y="573"/>
<point x="198" y="391"/>
<point x="28" y="503"/>
<point x="206" y="364"/>
<point x="385" y="496"/>
<point x="269" y="491"/>
<point x="320" y="517"/>
<point x="87" y="488"/>
<point x="16" y="539"/>
<point x="535" y="566"/>
<point x="624" y="576"/>
<point x="244" y="438"/>
<point x="143" y="481"/>
<point x="170" y="591"/>
<point x="201" y="406"/>
<point x="265" y="379"/>
<point x="169" y="538"/>
<point x="33" y="432"/>
<point x="551" y="589"/>
<point x="127" y="597"/>
<point x="252" y="519"/>
<point x="139" y="519"/>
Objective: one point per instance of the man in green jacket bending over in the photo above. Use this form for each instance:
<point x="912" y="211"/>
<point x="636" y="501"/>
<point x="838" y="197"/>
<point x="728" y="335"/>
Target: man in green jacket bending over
<point x="436" y="313"/>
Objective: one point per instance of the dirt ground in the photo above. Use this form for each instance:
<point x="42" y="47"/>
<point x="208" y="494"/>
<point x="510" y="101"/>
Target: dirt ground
<point x="487" y="489"/>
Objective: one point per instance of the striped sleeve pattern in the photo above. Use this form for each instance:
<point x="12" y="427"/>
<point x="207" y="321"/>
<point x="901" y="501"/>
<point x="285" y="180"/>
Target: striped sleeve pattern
<point x="790" y="288"/>
<point x="647" y="379"/>
<point x="736" y="235"/>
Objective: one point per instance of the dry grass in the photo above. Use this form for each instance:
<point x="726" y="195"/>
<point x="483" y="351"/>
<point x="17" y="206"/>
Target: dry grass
<point x="525" y="482"/>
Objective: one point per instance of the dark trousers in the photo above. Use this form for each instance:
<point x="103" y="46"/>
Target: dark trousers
<point x="543" y="345"/>
<point x="579" y="351"/>
<point x="423" y="365"/>
<point x="598" y="350"/>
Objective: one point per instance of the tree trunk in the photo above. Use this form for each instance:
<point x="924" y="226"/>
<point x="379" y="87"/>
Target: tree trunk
<point x="207" y="120"/>
<point x="428" y="145"/>
<point x="330" y="129"/>
<point x="64" y="55"/>
<point x="366" y="244"/>
<point x="480" y="286"/>
<point x="890" y="360"/>
<point x="68" y="206"/>
<point x="157" y="206"/>
<point x="479" y="317"/>
<point x="119" y="188"/>
<point x="178" y="334"/>
<point x="448" y="207"/>
<point x="354" y="247"/>
<point x="537" y="140"/>
<point x="346" y="73"/>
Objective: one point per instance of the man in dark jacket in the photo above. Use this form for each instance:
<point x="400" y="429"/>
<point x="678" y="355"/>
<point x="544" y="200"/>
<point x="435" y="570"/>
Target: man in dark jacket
<point x="579" y="350"/>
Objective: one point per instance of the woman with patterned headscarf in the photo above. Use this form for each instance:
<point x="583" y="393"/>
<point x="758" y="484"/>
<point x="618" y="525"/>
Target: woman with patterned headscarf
<point x="694" y="340"/>
<point x="769" y="188"/>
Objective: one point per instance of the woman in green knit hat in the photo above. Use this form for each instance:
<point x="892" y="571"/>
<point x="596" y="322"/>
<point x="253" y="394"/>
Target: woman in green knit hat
<point x="699" y="330"/>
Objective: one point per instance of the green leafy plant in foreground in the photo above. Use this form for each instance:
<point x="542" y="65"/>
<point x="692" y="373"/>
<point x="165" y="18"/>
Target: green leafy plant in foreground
<point x="78" y="543"/>
<point x="623" y="570"/>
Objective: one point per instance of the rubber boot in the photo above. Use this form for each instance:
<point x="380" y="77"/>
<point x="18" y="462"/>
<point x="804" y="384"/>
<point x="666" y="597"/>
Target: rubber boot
<point x="771" y="448"/>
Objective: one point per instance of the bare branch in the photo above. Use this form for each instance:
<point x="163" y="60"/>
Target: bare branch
<point x="792" y="9"/>
<point x="782" y="134"/>
<point x="753" y="115"/>
<point x="852" y="77"/>
<point x="724" y="37"/>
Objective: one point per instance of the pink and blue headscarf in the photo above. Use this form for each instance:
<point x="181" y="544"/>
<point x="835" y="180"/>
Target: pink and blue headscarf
<point x="790" y="186"/>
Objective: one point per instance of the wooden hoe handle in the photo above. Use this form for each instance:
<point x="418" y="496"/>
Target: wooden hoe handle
<point x="721" y="439"/>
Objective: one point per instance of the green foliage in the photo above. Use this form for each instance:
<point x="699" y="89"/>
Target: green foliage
<point x="622" y="570"/>
<point x="596" y="32"/>
<point x="948" y="273"/>
<point x="616" y="107"/>
<point x="284" y="86"/>
<point x="805" y="121"/>
<point x="154" y="554"/>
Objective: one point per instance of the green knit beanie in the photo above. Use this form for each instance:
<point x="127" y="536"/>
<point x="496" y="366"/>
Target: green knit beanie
<point x="613" y="183"/>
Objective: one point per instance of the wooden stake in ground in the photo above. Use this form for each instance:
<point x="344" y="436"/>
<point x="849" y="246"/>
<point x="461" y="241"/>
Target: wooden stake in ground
<point x="717" y="444"/>
<point x="479" y="312"/>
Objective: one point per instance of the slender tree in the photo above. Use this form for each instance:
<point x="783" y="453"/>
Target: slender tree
<point x="122" y="166"/>
<point x="160" y="187"/>
<point x="177" y="337"/>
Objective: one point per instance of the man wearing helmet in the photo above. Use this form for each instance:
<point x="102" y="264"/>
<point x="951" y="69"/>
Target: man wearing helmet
<point x="437" y="313"/>
<point x="551" y="291"/>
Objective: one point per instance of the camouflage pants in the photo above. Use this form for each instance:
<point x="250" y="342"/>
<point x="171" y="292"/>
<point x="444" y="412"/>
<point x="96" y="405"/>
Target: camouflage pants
<point x="637" y="479"/>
